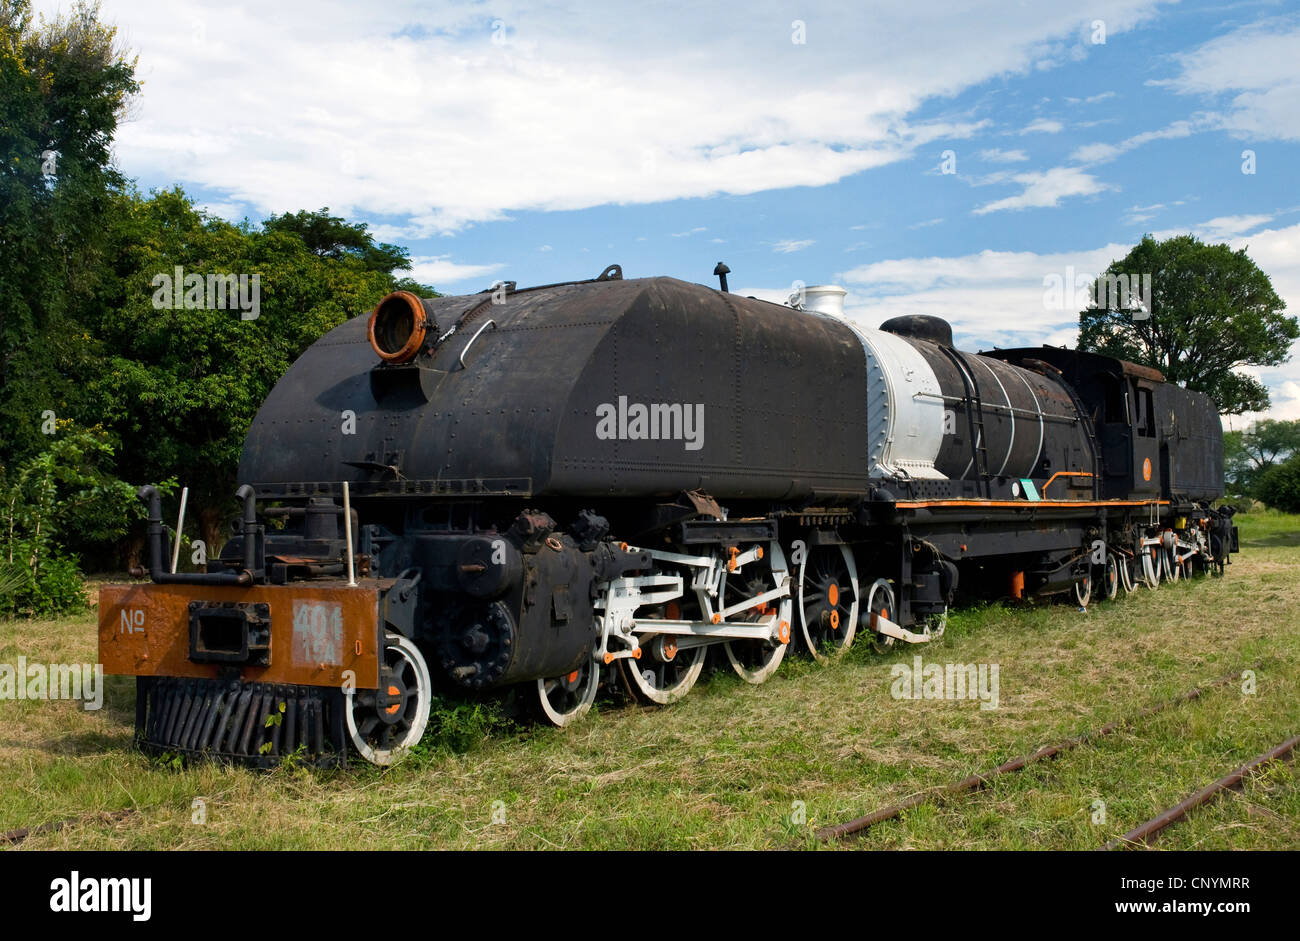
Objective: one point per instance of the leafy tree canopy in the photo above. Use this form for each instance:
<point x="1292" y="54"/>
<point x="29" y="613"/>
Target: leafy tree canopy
<point x="180" y="385"/>
<point x="1211" y="310"/>
<point x="64" y="85"/>
<point x="332" y="237"/>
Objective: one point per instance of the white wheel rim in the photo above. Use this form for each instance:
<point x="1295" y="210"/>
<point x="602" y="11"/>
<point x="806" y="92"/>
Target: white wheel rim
<point x="423" y="686"/>
<point x="1150" y="570"/>
<point x="1112" y="578"/>
<point x="882" y="585"/>
<point x="849" y="632"/>
<point x="591" y="683"/>
<point x="774" y="656"/>
<point x="760" y="673"/>
<point x="1083" y="590"/>
<point x="670" y="694"/>
<point x="1126" y="577"/>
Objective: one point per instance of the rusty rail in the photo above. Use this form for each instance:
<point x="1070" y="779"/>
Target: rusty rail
<point x="1142" y="835"/>
<point x="14" y="837"/>
<point x="977" y="781"/>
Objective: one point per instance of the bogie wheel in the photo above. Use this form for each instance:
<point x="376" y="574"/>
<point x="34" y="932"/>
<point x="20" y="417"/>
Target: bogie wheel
<point x="756" y="660"/>
<point x="1151" y="566"/>
<point x="566" y="699"/>
<point x="1110" y="577"/>
<point x="828" y="601"/>
<point x="880" y="601"/>
<point x="1083" y="589"/>
<point x="1128" y="573"/>
<point x="384" y="724"/>
<point x="664" y="673"/>
<point x="1172" y="566"/>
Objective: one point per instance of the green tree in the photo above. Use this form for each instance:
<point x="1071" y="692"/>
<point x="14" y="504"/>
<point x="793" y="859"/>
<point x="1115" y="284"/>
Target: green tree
<point x="333" y="237"/>
<point x="1279" y="486"/>
<point x="1211" y="311"/>
<point x="1250" y="453"/>
<point x="64" y="493"/>
<point x="1238" y="468"/>
<point x="63" y="87"/>
<point x="1269" y="441"/>
<point x="180" y="386"/>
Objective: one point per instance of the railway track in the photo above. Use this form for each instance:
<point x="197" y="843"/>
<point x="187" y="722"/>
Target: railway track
<point x="1142" y="835"/>
<point x="976" y="782"/>
<point x="15" y="837"/>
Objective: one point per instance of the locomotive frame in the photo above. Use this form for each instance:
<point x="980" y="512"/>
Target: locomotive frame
<point x="781" y="475"/>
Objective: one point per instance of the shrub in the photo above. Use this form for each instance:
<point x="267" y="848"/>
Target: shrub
<point x="1279" y="486"/>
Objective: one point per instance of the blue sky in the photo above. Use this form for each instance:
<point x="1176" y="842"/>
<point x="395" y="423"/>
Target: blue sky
<point x="540" y="142"/>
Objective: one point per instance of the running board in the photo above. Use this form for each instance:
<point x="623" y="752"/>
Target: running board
<point x="882" y="625"/>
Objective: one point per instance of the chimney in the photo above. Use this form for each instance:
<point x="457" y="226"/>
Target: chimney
<point x="823" y="298"/>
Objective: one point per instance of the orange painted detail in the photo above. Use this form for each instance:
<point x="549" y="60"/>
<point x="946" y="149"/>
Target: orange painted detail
<point x="1146" y="468"/>
<point x="673" y="612"/>
<point x="609" y="658"/>
<point x="758" y="552"/>
<point x="573" y="677"/>
<point x="1064" y="474"/>
<point x="413" y="341"/>
<point x="1017" y="585"/>
<point x="717" y="619"/>
<point x="835" y="620"/>
<point x="319" y="631"/>
<point x="393" y="691"/>
<point x="636" y="653"/>
<point x="833" y="595"/>
<point x="783" y="632"/>
<point x="669" y="648"/>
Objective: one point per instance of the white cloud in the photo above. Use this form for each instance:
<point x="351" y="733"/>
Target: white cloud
<point x="786" y="246"/>
<point x="1091" y="99"/>
<point x="1222" y="228"/>
<point x="694" y="231"/>
<point x="1138" y="215"/>
<point x="439" y="270"/>
<point x="1047" y="188"/>
<point x="1043" y="126"/>
<point x="1257" y="70"/>
<point x="999" y="298"/>
<point x="229" y="211"/>
<point x="1102" y="152"/>
<point x="413" y="115"/>
<point x="997" y="155"/>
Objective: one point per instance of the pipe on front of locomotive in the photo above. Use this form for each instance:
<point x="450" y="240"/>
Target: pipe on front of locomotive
<point x="157" y="532"/>
<point x="399" y="326"/>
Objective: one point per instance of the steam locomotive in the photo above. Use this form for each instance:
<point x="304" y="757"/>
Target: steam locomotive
<point x="600" y="482"/>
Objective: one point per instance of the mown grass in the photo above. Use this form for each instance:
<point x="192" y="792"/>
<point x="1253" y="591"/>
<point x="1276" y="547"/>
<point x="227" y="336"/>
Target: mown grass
<point x="755" y="767"/>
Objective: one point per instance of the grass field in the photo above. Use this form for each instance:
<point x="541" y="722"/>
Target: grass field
<point x="754" y="767"/>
